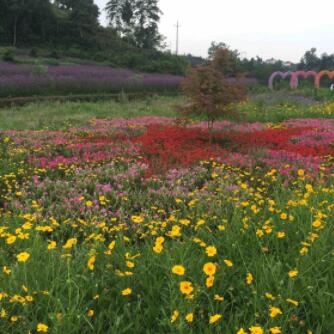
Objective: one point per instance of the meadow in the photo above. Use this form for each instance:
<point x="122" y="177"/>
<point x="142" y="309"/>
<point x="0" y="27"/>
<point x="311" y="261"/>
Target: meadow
<point x="118" y="217"/>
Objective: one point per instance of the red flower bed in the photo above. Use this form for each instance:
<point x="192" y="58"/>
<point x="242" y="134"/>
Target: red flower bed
<point x="167" y="146"/>
<point x="279" y="139"/>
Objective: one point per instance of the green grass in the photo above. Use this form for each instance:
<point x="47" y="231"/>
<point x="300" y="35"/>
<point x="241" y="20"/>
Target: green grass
<point x="264" y="107"/>
<point x="58" y="115"/>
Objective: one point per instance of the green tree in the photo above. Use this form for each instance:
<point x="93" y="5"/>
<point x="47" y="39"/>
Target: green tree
<point x="121" y="16"/>
<point x="83" y="17"/>
<point x="14" y="10"/>
<point x="136" y="21"/>
<point x="146" y="31"/>
<point x="24" y="20"/>
<point x="310" y="60"/>
<point x="214" y="47"/>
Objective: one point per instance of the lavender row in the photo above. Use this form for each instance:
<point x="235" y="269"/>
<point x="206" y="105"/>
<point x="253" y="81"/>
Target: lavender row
<point x="28" y="80"/>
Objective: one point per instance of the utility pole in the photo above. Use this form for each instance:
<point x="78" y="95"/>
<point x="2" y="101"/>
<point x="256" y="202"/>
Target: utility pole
<point x="177" y="37"/>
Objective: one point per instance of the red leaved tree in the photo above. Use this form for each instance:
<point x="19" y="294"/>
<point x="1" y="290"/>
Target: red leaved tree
<point x="210" y="93"/>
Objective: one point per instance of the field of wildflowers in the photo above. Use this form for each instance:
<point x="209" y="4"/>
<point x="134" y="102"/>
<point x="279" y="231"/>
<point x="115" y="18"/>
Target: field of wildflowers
<point x="31" y="80"/>
<point x="141" y="226"/>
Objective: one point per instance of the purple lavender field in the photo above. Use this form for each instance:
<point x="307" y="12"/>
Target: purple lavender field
<point x="33" y="80"/>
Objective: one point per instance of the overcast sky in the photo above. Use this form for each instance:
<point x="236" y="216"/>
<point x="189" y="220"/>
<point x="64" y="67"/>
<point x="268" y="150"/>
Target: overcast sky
<point x="282" y="29"/>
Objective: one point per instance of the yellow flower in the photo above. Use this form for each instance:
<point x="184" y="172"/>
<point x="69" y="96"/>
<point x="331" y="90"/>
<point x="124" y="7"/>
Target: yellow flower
<point x="137" y="219"/>
<point x="185" y="222"/>
<point x="280" y="235"/>
<point x="10" y="240"/>
<point x="259" y="233"/>
<point x="160" y="240"/>
<point x="89" y="204"/>
<point x="29" y="299"/>
<point x="23" y="257"/>
<point x="190" y="317"/>
<point x="218" y="298"/>
<point x="303" y="251"/>
<point x="186" y="287"/>
<point x="158" y="248"/>
<point x="13" y="318"/>
<point x="301" y="172"/>
<point x="284" y="216"/>
<point x="90" y="313"/>
<point x="52" y="245"/>
<point x="210" y="281"/>
<point x="70" y="243"/>
<point x="175" y="315"/>
<point x="274" y="311"/>
<point x="269" y="296"/>
<point x="127" y="292"/>
<point x="211" y="251"/>
<point x="209" y="269"/>
<point x="214" y="318"/>
<point x="249" y="279"/>
<point x="317" y="223"/>
<point x="178" y="270"/>
<point x="291" y="301"/>
<point x="228" y="263"/>
<point x="175" y="232"/>
<point x="309" y="188"/>
<point x="275" y="330"/>
<point x="91" y="262"/>
<point x="112" y="245"/>
<point x="293" y="273"/>
<point x="42" y="328"/>
<point x="130" y="264"/>
<point x="3" y="313"/>
<point x="241" y="331"/>
<point x="6" y="270"/>
<point x="256" y="330"/>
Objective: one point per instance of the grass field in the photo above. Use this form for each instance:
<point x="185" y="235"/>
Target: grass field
<point x="115" y="220"/>
<point x="60" y="115"/>
<point x="261" y="107"/>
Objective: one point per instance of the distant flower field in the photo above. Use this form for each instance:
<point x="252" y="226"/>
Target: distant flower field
<point x="30" y="80"/>
<point x="142" y="226"/>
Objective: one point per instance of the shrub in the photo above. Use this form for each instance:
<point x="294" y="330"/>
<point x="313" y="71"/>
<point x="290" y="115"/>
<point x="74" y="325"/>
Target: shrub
<point x="52" y="62"/>
<point x="210" y="94"/>
<point x="9" y="55"/>
<point x="40" y="69"/>
<point x="33" y="53"/>
<point x="54" y="54"/>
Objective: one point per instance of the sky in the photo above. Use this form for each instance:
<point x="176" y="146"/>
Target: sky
<point x="282" y="29"/>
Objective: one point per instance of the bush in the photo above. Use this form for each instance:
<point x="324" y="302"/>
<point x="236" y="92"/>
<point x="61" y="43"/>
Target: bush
<point x="33" y="53"/>
<point x="40" y="69"/>
<point x="54" y="54"/>
<point x="52" y="62"/>
<point x="210" y="93"/>
<point x="9" y="55"/>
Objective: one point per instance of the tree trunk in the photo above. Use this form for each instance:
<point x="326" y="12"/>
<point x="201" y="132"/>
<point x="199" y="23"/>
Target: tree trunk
<point x="15" y="31"/>
<point x="210" y="128"/>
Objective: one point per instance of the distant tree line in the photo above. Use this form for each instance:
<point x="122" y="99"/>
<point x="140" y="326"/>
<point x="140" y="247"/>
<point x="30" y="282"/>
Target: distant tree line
<point x="262" y="69"/>
<point x="66" y="21"/>
<point x="71" y="28"/>
<point x="23" y="22"/>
